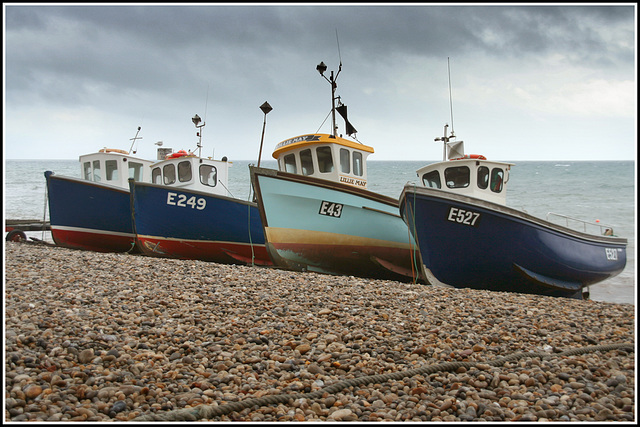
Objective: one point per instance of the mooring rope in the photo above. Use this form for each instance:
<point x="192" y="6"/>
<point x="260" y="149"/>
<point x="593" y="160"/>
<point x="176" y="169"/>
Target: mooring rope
<point x="208" y="411"/>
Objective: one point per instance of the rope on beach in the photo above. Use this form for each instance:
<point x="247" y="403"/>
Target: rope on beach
<point x="208" y="411"/>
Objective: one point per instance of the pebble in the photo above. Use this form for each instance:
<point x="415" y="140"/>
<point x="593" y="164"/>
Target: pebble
<point x="110" y="337"/>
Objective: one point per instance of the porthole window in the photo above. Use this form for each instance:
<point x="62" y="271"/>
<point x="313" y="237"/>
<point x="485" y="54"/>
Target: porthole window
<point x="432" y="179"/>
<point x="111" y="170"/>
<point x="483" y="177"/>
<point x="208" y="175"/>
<point x="184" y="171"/>
<point x="345" y="164"/>
<point x="169" y="172"/>
<point x="156" y="176"/>
<point x="96" y="170"/>
<point x="136" y="171"/>
<point x="87" y="170"/>
<point x="497" y="180"/>
<point x="325" y="160"/>
<point x="457" y="177"/>
<point x="290" y="163"/>
<point x="358" y="164"/>
<point x="306" y="162"/>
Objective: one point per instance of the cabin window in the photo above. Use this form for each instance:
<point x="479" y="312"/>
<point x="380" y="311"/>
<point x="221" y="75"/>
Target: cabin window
<point x="457" y="177"/>
<point x="497" y="177"/>
<point x="325" y="160"/>
<point x="483" y="177"/>
<point x="87" y="170"/>
<point x="96" y="170"/>
<point x="290" y="163"/>
<point x="136" y="171"/>
<point x="156" y="176"/>
<point x="432" y="179"/>
<point x="111" y="170"/>
<point x="169" y="172"/>
<point x="208" y="175"/>
<point x="184" y="171"/>
<point x="358" y="164"/>
<point x="345" y="161"/>
<point x="306" y="161"/>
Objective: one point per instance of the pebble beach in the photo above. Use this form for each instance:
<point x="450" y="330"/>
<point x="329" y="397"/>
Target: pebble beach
<point x="119" y="337"/>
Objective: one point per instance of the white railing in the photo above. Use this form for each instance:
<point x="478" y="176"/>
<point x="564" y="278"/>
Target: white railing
<point x="576" y="224"/>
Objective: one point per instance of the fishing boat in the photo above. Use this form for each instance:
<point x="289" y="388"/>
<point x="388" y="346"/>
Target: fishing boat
<point x="469" y="238"/>
<point x="319" y="216"/>
<point x="187" y="212"/>
<point x="93" y="212"/>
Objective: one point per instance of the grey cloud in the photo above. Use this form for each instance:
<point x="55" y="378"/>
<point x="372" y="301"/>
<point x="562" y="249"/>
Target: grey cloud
<point x="64" y="53"/>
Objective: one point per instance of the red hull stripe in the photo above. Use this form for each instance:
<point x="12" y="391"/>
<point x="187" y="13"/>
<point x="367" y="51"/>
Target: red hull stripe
<point x="222" y="252"/>
<point x="94" y="240"/>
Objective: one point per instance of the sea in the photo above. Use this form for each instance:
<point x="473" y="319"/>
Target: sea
<point x="601" y="192"/>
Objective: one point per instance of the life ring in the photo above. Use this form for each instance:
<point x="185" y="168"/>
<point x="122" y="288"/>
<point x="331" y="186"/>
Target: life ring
<point x="179" y="153"/>
<point x="113" y="150"/>
<point x="471" y="156"/>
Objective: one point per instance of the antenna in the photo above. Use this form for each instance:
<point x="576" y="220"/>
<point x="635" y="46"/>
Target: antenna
<point x="338" y="42"/>
<point x="450" y="98"/>
<point x="206" y="104"/>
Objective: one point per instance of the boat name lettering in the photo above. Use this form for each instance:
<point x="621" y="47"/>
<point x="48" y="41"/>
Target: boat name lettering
<point x="330" y="209"/>
<point x="612" y="254"/>
<point x="353" y="181"/>
<point x="183" y="201"/>
<point x="462" y="216"/>
<point x="298" y="139"/>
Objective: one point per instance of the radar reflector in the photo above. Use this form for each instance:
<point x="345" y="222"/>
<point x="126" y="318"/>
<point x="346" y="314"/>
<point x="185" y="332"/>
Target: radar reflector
<point x="455" y="149"/>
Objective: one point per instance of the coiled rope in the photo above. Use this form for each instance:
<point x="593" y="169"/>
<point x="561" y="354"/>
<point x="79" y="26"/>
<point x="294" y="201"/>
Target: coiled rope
<point x="208" y="411"/>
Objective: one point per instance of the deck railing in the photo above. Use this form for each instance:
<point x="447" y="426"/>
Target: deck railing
<point x="577" y="224"/>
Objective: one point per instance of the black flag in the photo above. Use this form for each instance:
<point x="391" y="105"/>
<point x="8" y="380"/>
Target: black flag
<point x="348" y="126"/>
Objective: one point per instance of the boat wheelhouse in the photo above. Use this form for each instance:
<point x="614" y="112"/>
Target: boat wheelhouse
<point x="470" y="176"/>
<point x="191" y="172"/>
<point x="114" y="167"/>
<point x="325" y="156"/>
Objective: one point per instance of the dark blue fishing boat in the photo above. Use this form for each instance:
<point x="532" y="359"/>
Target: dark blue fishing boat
<point x="187" y="212"/>
<point x="93" y="212"/>
<point x="469" y="238"/>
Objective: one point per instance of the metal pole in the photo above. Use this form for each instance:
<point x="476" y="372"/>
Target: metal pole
<point x="264" y="124"/>
<point x="265" y="109"/>
<point x="333" y="106"/>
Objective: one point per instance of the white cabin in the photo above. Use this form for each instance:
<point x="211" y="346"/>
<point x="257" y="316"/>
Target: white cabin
<point x="115" y="167"/>
<point x="185" y="170"/>
<point x="324" y="156"/>
<point x="470" y="175"/>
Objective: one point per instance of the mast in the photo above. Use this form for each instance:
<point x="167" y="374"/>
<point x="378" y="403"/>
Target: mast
<point x="134" y="139"/>
<point x="332" y="80"/>
<point x="196" y="121"/>
<point x="446" y="138"/>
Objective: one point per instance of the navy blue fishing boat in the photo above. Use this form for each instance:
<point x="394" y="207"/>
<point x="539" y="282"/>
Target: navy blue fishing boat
<point x="469" y="238"/>
<point x="93" y="212"/>
<point x="187" y="212"/>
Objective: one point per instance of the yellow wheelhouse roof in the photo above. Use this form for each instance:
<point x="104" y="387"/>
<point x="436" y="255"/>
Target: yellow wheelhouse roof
<point x="314" y="139"/>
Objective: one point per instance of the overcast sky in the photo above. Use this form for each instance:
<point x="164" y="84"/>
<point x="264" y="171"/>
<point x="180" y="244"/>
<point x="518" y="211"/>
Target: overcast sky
<point x="528" y="82"/>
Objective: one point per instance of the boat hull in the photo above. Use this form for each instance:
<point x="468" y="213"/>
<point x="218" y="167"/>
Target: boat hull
<point x="317" y="225"/>
<point x="470" y="243"/>
<point x="88" y="215"/>
<point x="177" y="223"/>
